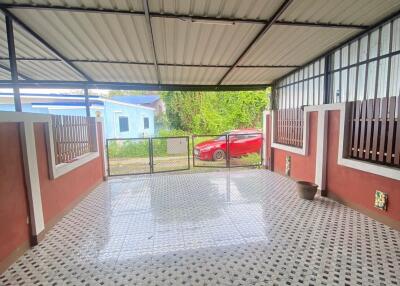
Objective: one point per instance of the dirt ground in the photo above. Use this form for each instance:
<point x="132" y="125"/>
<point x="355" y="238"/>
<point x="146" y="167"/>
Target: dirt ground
<point x="122" y="166"/>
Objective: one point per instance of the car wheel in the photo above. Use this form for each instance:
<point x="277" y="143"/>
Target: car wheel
<point x="219" y="155"/>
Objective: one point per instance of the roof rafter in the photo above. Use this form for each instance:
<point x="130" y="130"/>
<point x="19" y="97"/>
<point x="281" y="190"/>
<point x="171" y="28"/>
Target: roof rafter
<point x="182" y="17"/>
<point x="153" y="47"/>
<point x="150" y="63"/>
<point x="19" y="73"/>
<point x="259" y="35"/>
<point x="45" y="43"/>
<point x="126" y="85"/>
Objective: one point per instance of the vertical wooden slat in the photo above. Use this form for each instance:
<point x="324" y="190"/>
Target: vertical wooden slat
<point x="285" y="126"/>
<point x="362" y="131"/>
<point x="277" y="125"/>
<point x="73" y="136"/>
<point x="283" y="129"/>
<point x="370" y="115"/>
<point x="280" y="125"/>
<point x="291" y="141"/>
<point x="356" y="128"/>
<point x="301" y="126"/>
<point x="73" y="139"/>
<point x="351" y="137"/>
<point x="290" y="127"/>
<point x="382" y="140"/>
<point x="375" y="142"/>
<point x="295" y="142"/>
<point x="390" y="135"/>
<point x="62" y="132"/>
<point x="286" y="115"/>
<point x="397" y="142"/>
<point x="68" y="128"/>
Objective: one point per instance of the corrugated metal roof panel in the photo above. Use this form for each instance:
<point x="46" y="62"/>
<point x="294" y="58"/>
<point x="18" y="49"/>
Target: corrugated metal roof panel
<point x="183" y="42"/>
<point x="47" y="70"/>
<point x="255" y="75"/>
<point x="25" y="45"/>
<point x="191" y="75"/>
<point x="3" y="37"/>
<point x="93" y="36"/>
<point x="125" y="38"/>
<point x="4" y="75"/>
<point x="130" y="5"/>
<point x="249" y="9"/>
<point x="284" y="45"/>
<point x="357" y="12"/>
<point x="120" y="72"/>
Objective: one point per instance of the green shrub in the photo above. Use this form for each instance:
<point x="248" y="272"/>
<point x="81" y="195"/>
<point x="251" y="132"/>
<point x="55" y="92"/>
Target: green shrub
<point x="128" y="148"/>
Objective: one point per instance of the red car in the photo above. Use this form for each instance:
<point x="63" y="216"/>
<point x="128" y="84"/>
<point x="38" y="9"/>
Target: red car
<point x="241" y="142"/>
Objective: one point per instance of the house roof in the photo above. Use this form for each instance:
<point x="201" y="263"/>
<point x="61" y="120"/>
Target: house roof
<point x="68" y="104"/>
<point x="177" y="44"/>
<point x="136" y="99"/>
<point x="76" y="99"/>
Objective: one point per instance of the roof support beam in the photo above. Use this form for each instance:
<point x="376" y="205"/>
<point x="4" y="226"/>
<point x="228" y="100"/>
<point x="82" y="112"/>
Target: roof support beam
<point x="260" y="34"/>
<point x="150" y="31"/>
<point x="126" y="86"/>
<point x="320" y="25"/>
<point x="9" y="70"/>
<point x="150" y="64"/>
<point x="194" y="19"/>
<point x="62" y="58"/>
<point x="13" y="63"/>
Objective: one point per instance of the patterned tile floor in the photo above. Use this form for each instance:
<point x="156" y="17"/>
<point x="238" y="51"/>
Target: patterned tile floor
<point x="222" y="228"/>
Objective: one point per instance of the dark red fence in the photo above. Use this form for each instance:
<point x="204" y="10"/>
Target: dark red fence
<point x="73" y="137"/>
<point x="289" y="125"/>
<point x="375" y="131"/>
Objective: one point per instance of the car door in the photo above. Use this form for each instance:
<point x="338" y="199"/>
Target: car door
<point x="238" y="145"/>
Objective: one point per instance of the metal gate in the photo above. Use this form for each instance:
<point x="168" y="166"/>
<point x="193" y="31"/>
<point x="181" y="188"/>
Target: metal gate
<point x="228" y="150"/>
<point x="136" y="156"/>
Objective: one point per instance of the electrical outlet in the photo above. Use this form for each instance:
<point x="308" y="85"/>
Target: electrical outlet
<point x="288" y="165"/>
<point x="381" y="200"/>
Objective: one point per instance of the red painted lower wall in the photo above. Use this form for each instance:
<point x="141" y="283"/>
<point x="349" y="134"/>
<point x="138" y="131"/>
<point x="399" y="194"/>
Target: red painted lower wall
<point x="357" y="187"/>
<point x="14" y="210"/>
<point x="59" y="194"/>
<point x="302" y="167"/>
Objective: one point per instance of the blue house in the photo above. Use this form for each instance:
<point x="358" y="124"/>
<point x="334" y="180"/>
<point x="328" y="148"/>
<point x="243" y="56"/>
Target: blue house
<point x="121" y="118"/>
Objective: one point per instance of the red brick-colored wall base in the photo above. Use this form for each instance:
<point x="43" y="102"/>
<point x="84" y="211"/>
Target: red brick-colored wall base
<point x="379" y="216"/>
<point x="58" y="196"/>
<point x="61" y="192"/>
<point x="14" y="212"/>
<point x="302" y="167"/>
<point x="357" y="188"/>
<point x="349" y="186"/>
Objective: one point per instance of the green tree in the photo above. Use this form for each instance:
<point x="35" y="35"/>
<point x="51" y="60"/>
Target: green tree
<point x="214" y="112"/>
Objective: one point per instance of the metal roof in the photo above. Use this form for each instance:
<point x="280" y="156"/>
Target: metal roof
<point x="167" y="44"/>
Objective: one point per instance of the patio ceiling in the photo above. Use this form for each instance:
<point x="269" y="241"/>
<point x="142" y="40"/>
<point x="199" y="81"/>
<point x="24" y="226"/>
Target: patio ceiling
<point x="181" y="44"/>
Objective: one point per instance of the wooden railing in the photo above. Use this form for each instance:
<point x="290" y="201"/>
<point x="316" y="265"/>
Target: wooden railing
<point x="289" y="127"/>
<point x="73" y="137"/>
<point x="375" y="131"/>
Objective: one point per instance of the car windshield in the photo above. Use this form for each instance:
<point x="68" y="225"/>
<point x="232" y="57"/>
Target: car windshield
<point x="222" y="137"/>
